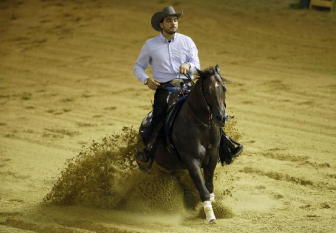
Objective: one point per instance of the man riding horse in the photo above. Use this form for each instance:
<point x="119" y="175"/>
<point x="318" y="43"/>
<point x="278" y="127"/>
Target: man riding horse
<point x="173" y="58"/>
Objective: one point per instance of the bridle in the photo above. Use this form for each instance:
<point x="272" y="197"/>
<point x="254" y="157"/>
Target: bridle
<point x="208" y="106"/>
<point x="183" y="88"/>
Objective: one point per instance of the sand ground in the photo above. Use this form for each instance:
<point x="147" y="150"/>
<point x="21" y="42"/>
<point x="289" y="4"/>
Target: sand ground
<point x="66" y="79"/>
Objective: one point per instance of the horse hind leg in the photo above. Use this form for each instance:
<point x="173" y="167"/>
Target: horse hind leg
<point x="197" y="177"/>
<point x="191" y="195"/>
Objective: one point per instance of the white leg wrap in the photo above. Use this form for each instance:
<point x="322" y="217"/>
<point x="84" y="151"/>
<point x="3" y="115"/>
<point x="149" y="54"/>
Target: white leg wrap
<point x="212" y="197"/>
<point x="209" y="214"/>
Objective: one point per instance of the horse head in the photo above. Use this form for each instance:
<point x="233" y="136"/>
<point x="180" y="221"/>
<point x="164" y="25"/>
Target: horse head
<point x="213" y="89"/>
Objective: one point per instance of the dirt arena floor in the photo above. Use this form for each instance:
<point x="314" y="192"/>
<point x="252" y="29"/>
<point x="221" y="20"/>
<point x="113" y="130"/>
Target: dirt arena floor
<point x="66" y="79"/>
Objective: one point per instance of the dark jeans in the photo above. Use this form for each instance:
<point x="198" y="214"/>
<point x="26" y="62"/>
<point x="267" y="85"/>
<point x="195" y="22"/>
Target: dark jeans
<point x="160" y="107"/>
<point x="163" y="99"/>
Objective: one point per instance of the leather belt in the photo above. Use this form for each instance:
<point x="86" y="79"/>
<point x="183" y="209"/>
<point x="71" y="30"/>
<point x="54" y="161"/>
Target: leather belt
<point x="178" y="82"/>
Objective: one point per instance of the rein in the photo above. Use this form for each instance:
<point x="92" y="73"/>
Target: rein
<point x="208" y="106"/>
<point x="193" y="111"/>
<point x="189" y="78"/>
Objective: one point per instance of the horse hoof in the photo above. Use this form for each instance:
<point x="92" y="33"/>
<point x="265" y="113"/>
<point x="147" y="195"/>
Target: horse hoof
<point x="212" y="221"/>
<point x="145" y="166"/>
<point x="209" y="213"/>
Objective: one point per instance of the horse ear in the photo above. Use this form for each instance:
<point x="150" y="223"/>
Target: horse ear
<point x="217" y="69"/>
<point x="199" y="72"/>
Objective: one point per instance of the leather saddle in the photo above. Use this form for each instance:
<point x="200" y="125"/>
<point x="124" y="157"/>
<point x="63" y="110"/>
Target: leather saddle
<point x="166" y="130"/>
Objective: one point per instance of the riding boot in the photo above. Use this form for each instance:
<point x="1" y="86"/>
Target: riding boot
<point x="229" y="149"/>
<point x="145" y="157"/>
<point x="235" y="150"/>
<point x="152" y="139"/>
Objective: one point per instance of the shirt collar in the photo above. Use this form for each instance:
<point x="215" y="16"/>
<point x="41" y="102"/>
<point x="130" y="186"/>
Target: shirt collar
<point x="163" y="39"/>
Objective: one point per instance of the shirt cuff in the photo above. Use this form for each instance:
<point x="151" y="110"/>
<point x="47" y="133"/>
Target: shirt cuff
<point x="142" y="78"/>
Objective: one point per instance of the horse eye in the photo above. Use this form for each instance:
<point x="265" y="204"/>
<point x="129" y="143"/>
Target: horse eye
<point x="219" y="84"/>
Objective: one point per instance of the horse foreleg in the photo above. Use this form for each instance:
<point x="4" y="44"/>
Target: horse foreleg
<point x="195" y="172"/>
<point x="209" y="171"/>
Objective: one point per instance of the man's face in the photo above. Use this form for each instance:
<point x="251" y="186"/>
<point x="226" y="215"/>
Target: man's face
<point x="169" y="24"/>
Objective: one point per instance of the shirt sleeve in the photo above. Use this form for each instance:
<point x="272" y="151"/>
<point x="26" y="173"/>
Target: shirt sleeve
<point x="142" y="63"/>
<point x="193" y="59"/>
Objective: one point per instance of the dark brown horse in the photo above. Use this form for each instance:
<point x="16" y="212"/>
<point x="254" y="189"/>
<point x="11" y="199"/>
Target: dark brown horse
<point x="196" y="135"/>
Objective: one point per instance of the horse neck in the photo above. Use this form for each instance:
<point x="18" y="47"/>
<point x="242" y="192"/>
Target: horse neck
<point x="197" y="103"/>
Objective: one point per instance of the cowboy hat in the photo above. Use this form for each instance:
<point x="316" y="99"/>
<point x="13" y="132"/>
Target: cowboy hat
<point x="159" y="16"/>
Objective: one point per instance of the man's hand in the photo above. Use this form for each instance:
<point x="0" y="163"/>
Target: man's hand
<point x="152" y="84"/>
<point x="184" y="68"/>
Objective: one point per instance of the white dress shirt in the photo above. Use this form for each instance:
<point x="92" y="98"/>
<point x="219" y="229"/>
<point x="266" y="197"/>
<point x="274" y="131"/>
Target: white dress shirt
<point x="165" y="57"/>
